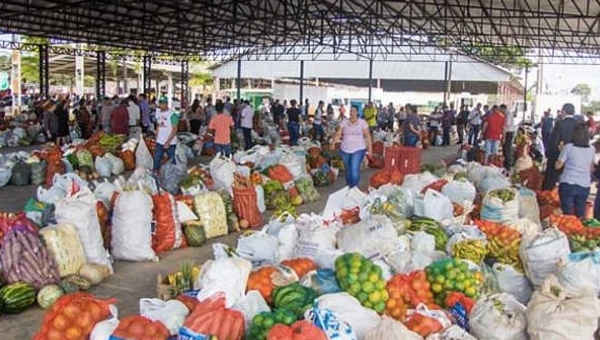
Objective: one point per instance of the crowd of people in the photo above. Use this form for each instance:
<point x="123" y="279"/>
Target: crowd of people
<point x="562" y="140"/>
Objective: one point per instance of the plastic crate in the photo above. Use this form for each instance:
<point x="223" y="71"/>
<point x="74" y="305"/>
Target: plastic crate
<point x="407" y="159"/>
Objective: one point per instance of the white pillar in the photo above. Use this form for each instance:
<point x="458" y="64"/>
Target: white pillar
<point x="79" y="74"/>
<point x="170" y="88"/>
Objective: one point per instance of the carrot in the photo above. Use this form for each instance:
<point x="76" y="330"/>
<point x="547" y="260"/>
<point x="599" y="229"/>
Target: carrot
<point x="237" y="329"/>
<point x="224" y="331"/>
<point x="216" y="320"/>
<point x="199" y="323"/>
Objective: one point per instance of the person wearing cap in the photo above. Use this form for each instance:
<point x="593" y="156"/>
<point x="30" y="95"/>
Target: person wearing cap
<point x="561" y="134"/>
<point x="166" y="134"/>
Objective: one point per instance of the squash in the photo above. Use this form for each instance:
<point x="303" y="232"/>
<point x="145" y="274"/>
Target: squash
<point x="48" y="295"/>
<point x="16" y="297"/>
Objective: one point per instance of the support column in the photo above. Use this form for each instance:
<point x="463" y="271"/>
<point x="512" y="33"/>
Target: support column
<point x="371" y="80"/>
<point x="100" y="74"/>
<point x="238" y="85"/>
<point x="185" y="81"/>
<point x="125" y="86"/>
<point x="445" y="85"/>
<point x="525" y="108"/>
<point x="301" y="83"/>
<point x="79" y="74"/>
<point x="170" y="89"/>
<point x="147" y="73"/>
<point x="449" y="82"/>
<point x="43" y="72"/>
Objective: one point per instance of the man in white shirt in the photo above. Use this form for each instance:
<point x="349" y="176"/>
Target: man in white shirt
<point x="166" y="135"/>
<point x="247" y="117"/>
<point x="475" y="124"/>
<point x="509" y="134"/>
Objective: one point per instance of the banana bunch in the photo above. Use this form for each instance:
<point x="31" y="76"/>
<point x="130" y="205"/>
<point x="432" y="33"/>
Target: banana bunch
<point x="506" y="254"/>
<point x="110" y="142"/>
<point x="506" y="195"/>
<point x="422" y="223"/>
<point x="580" y="243"/>
<point x="472" y="250"/>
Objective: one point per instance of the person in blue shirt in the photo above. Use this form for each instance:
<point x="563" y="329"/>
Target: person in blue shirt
<point x="576" y="160"/>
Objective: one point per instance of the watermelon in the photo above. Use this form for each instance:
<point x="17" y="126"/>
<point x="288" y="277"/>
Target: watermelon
<point x="16" y="297"/>
<point x="294" y="297"/>
<point x="48" y="295"/>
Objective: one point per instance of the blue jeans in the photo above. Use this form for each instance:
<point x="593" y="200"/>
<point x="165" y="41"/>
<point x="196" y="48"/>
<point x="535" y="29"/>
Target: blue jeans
<point x="294" y="130"/>
<point x="597" y="203"/>
<point x="159" y="152"/>
<point x="411" y="140"/>
<point x="573" y="199"/>
<point x="224" y="149"/>
<point x="352" y="162"/>
<point x="247" y="138"/>
<point x="318" y="132"/>
<point x="473" y="134"/>
<point x="491" y="148"/>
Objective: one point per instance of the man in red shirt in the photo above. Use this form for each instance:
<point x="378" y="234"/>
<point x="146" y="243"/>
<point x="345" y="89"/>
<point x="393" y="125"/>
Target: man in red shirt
<point x="119" y="119"/>
<point x="493" y="131"/>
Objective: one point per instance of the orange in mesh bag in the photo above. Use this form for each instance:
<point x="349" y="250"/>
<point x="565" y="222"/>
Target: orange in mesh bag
<point x="246" y="205"/>
<point x="73" y="317"/>
<point x="137" y="327"/>
<point x="168" y="233"/>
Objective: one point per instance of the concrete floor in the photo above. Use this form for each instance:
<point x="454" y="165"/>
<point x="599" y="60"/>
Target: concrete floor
<point x="135" y="280"/>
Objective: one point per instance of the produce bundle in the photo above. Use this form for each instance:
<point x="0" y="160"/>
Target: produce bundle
<point x="386" y="176"/>
<point x="550" y="197"/>
<point x="505" y="195"/>
<point x="73" y="316"/>
<point x="260" y="280"/>
<point x="263" y="322"/>
<point x="84" y="158"/>
<point x="212" y="318"/>
<point x="245" y="201"/>
<point x="38" y="172"/>
<point x="139" y="327"/>
<point x="583" y="236"/>
<point x="293" y="297"/>
<point x="300" y="330"/>
<point x="452" y="275"/>
<point x="280" y="173"/>
<point x="323" y="176"/>
<point x="167" y="233"/>
<point x="422" y="224"/>
<point x="472" y="250"/>
<point x="407" y="291"/>
<point x="306" y="189"/>
<point x="362" y="279"/>
<point x="128" y="157"/>
<point x="110" y="143"/>
<point x="300" y="266"/>
<point x="440" y="236"/>
<point x="25" y="259"/>
<point x="503" y="243"/>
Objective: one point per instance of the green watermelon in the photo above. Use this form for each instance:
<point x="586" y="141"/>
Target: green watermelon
<point x="294" y="297"/>
<point x="48" y="295"/>
<point x="16" y="297"/>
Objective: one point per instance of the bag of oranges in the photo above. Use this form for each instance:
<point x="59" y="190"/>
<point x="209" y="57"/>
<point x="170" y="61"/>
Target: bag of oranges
<point x="73" y="316"/>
